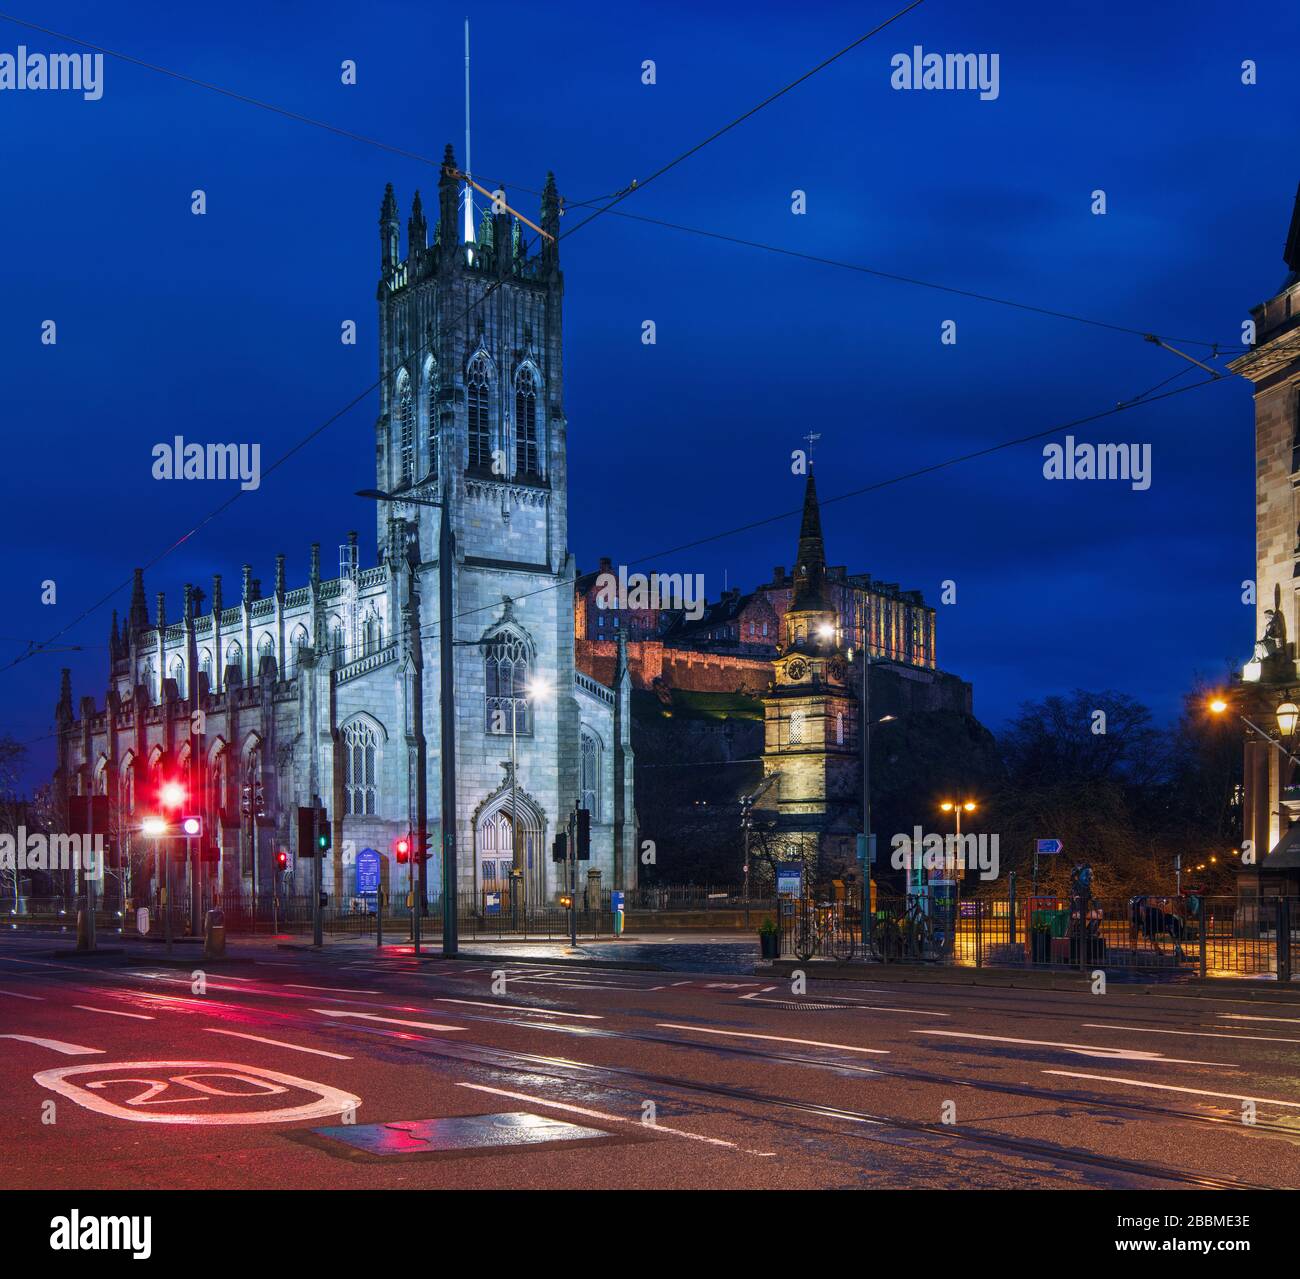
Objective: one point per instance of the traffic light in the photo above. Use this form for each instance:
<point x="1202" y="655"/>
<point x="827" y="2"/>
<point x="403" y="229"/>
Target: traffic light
<point x="566" y="901"/>
<point x="282" y="860"/>
<point x="402" y="848"/>
<point x="192" y="825"/>
<point x="172" y="796"/>
<point x="313" y="832"/>
<point x="560" y="848"/>
<point x="584" y="835"/>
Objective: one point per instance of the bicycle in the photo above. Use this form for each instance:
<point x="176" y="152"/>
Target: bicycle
<point x="910" y="935"/>
<point x="819" y="930"/>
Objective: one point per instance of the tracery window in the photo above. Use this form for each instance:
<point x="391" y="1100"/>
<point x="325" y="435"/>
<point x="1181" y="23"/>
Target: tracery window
<point x="527" y="454"/>
<point x="477" y="384"/>
<point x="506" y="671"/>
<point x="590" y="775"/>
<point x="360" y="769"/>
<point x="406" y="430"/>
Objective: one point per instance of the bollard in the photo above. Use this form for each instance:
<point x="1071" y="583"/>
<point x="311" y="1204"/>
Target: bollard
<point x="214" y="934"/>
<point x="83" y="930"/>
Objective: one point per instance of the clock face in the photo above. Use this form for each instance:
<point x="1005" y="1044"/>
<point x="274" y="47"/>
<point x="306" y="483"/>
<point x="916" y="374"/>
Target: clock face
<point x="797" y="669"/>
<point x="836" y="670"/>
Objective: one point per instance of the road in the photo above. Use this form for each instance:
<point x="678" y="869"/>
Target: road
<point x="290" y="1068"/>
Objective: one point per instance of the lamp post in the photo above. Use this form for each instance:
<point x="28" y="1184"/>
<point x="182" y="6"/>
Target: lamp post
<point x="957" y="807"/>
<point x="447" y="742"/>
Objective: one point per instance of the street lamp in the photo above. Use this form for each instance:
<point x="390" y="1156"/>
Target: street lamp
<point x="1287" y="714"/>
<point x="957" y="808"/>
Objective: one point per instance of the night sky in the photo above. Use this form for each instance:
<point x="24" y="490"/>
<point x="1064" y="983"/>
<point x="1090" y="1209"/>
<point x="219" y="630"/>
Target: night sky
<point x="226" y="327"/>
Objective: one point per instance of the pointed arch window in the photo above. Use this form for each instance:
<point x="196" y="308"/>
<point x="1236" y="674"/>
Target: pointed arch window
<point x="406" y="430"/>
<point x="477" y="387"/>
<point x="506" y="670"/>
<point x="431" y="416"/>
<point x="527" y="452"/>
<point x="360" y="769"/>
<point x="177" y="673"/>
<point x="589" y="763"/>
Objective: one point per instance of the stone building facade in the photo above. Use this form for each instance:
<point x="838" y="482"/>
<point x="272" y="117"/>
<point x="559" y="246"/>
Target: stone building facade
<point x="1270" y="679"/>
<point x="262" y="702"/>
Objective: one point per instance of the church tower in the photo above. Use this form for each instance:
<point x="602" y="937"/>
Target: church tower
<point x="472" y="416"/>
<point x="811" y="718"/>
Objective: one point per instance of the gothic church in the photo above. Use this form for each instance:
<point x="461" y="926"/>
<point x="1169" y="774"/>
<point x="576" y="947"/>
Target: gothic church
<point x="270" y="698"/>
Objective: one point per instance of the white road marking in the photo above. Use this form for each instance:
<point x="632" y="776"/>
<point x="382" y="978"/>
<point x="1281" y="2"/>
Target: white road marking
<point x="745" y="1034"/>
<point x="1197" y="1092"/>
<point x="40" y="999"/>
<point x="68" y="1050"/>
<point x="615" y="1119"/>
<point x="1295" y="1021"/>
<point x="421" y="1025"/>
<point x="515" y="1008"/>
<point x="914" y="1012"/>
<point x="113" y="1012"/>
<point x="278" y="1043"/>
<point x="329" y="1103"/>
<point x="343" y="990"/>
<point x="1084" y="1050"/>
<point x="1195" y="1034"/>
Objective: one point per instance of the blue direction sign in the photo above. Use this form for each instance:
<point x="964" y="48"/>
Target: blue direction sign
<point x="367" y="871"/>
<point x="1049" y="847"/>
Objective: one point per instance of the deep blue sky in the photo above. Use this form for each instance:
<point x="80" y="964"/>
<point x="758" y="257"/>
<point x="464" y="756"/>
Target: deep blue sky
<point x="226" y="327"/>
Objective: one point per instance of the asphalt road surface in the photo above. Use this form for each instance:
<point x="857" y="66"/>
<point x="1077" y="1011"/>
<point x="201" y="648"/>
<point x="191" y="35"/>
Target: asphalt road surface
<point x="350" y="1068"/>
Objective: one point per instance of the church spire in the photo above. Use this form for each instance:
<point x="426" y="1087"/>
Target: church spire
<point x="137" y="619"/>
<point x="388" y="232"/>
<point x="417" y="228"/>
<point x="810" y="561"/>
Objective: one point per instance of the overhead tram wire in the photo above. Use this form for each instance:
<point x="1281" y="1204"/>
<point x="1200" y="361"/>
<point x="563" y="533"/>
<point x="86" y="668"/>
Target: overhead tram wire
<point x="1139" y="401"/>
<point x="496" y="284"/>
<point x="614" y="197"/>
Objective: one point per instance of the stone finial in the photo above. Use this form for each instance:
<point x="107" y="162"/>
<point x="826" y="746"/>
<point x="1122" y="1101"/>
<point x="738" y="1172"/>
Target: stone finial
<point x="162" y="611"/>
<point x="279" y="576"/>
<point x="314" y="575"/>
<point x="247" y="596"/>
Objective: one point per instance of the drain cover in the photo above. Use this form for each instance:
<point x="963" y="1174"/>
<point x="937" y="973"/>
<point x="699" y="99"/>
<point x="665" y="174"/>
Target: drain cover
<point x="463" y="1133"/>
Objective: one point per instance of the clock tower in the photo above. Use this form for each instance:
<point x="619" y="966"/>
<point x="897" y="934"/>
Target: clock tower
<point x="811" y="737"/>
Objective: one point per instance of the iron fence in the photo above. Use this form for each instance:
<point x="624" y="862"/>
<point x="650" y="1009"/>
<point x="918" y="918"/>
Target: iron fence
<point x="1189" y="935"/>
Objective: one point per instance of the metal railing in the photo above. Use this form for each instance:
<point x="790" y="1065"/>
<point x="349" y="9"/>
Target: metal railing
<point x="1188" y="935"/>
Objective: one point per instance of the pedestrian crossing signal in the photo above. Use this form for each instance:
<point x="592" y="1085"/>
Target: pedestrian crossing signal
<point x="566" y="902"/>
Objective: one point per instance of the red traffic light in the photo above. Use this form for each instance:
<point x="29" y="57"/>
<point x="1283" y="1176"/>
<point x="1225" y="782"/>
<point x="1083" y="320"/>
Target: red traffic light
<point x="281" y="860"/>
<point x="171" y="794"/>
<point x="402" y="847"/>
<point x="192" y="825"/>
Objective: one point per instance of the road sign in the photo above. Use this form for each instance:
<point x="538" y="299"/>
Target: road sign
<point x="367" y="871"/>
<point x="789" y="878"/>
<point x="1048" y="847"/>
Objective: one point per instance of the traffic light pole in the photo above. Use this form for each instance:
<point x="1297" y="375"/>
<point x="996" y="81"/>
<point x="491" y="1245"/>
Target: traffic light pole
<point x="447" y="743"/>
<point x="420" y="840"/>
<point x="573" y="877"/>
<point x="317" y="928"/>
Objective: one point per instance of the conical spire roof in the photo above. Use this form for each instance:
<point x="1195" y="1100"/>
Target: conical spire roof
<point x="810" y="561"/>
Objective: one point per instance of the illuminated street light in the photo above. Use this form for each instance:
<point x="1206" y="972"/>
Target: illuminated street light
<point x="1287" y="714"/>
<point x="154" y="826"/>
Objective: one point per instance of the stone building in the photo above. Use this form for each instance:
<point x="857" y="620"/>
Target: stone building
<point x="1270" y="679"/>
<point x="265" y="700"/>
